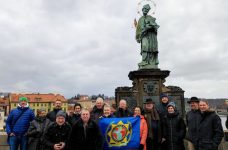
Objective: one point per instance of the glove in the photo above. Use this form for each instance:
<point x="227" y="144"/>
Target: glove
<point x="141" y="147"/>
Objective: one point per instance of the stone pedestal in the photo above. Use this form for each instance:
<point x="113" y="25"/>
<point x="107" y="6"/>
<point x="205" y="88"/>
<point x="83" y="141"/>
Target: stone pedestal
<point x="148" y="83"/>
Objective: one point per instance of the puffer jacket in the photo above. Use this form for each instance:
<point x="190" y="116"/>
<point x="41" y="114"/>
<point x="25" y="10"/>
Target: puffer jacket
<point x="143" y="131"/>
<point x="22" y="124"/>
<point x="174" y="131"/>
<point x="210" y="131"/>
<point x="36" y="132"/>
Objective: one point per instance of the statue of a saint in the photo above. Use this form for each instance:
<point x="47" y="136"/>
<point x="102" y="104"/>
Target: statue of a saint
<point x="146" y="34"/>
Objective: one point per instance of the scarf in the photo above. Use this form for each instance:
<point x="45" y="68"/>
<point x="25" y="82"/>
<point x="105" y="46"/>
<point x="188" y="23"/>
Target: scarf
<point x="151" y="115"/>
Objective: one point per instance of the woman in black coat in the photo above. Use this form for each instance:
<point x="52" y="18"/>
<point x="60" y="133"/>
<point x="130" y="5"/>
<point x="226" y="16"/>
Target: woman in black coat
<point x="174" y="130"/>
<point x="210" y="129"/>
<point x="36" y="130"/>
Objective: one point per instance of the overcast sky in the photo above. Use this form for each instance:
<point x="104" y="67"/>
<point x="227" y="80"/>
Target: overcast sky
<point x="89" y="46"/>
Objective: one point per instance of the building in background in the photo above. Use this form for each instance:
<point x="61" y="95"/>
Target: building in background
<point x="38" y="100"/>
<point x="4" y="103"/>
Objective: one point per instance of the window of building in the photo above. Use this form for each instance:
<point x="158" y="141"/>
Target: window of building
<point x="38" y="104"/>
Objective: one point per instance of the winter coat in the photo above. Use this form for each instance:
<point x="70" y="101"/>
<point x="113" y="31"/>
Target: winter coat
<point x="162" y="110"/>
<point x="22" y="124"/>
<point x="52" y="115"/>
<point x="36" y="131"/>
<point x="56" y="134"/>
<point x="120" y="113"/>
<point x="143" y="131"/>
<point x="174" y="131"/>
<point x="192" y="120"/>
<point x="73" y="119"/>
<point x="89" y="139"/>
<point x="96" y="113"/>
<point x="210" y="131"/>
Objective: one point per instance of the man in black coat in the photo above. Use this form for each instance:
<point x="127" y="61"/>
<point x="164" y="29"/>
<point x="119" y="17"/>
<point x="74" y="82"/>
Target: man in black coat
<point x="85" y="134"/>
<point x="122" y="110"/>
<point x="73" y="118"/>
<point x="162" y="107"/>
<point x="192" y="120"/>
<point x="52" y="114"/>
<point x="97" y="111"/>
<point x="210" y="131"/>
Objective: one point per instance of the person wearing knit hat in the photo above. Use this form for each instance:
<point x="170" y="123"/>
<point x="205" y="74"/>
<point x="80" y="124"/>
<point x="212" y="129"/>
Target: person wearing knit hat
<point x="17" y="124"/>
<point x="174" y="129"/>
<point x="57" y="133"/>
<point x="171" y="104"/>
<point x="61" y="113"/>
<point x="162" y="107"/>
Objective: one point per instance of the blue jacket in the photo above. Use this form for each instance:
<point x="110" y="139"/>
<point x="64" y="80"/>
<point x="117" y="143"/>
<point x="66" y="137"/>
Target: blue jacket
<point x="22" y="124"/>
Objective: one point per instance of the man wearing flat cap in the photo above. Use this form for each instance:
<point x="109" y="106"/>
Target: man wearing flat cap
<point x="192" y="120"/>
<point x="154" y="125"/>
<point x="18" y="123"/>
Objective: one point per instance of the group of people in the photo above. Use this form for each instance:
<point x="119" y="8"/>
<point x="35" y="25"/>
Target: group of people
<point x="161" y="126"/>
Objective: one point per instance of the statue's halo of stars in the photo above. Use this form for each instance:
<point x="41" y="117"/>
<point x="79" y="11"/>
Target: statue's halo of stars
<point x="144" y="2"/>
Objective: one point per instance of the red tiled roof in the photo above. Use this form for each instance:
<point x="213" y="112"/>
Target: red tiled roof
<point x="37" y="97"/>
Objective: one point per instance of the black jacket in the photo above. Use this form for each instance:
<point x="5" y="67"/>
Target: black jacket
<point x="96" y="113"/>
<point x="89" y="139"/>
<point x="56" y="134"/>
<point x="120" y="113"/>
<point x="162" y="110"/>
<point x="174" y="131"/>
<point x="73" y="119"/>
<point x="210" y="131"/>
<point x="192" y="120"/>
<point x="36" y="131"/>
<point x="52" y="114"/>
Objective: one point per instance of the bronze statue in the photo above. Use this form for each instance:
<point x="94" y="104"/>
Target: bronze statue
<point x="146" y="34"/>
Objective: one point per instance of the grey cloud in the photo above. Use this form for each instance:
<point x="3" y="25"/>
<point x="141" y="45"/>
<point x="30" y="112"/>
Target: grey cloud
<point x="88" y="46"/>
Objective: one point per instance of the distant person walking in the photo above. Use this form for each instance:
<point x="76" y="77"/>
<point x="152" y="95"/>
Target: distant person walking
<point x="18" y="123"/>
<point x="37" y="129"/>
<point x="174" y="129"/>
<point x="210" y="131"/>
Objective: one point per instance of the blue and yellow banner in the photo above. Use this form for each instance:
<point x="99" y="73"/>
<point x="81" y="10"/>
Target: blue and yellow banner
<point x="120" y="133"/>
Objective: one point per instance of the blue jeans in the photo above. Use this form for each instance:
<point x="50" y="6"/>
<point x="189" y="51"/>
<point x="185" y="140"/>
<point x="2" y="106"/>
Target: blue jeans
<point x="15" y="141"/>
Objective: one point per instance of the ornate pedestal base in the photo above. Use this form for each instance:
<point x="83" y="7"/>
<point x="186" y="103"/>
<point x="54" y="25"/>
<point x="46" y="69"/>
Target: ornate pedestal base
<point x="148" y="83"/>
